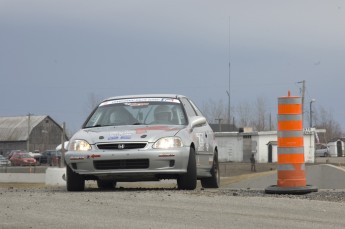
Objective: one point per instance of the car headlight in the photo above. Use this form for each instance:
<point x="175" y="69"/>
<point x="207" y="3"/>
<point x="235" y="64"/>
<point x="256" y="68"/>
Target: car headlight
<point x="169" y="142"/>
<point x="79" y="145"/>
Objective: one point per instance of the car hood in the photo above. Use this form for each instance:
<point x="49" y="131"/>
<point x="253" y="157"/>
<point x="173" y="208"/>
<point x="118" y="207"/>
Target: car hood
<point x="127" y="133"/>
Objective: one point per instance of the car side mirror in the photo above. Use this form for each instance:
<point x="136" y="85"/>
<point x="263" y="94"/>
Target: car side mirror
<point x="197" y="121"/>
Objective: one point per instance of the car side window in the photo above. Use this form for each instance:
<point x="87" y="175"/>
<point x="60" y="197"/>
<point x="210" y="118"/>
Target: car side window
<point x="188" y="107"/>
<point x="196" y="108"/>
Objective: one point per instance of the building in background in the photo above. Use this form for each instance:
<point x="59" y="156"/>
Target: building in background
<point x="239" y="146"/>
<point x="336" y="147"/>
<point x="33" y="133"/>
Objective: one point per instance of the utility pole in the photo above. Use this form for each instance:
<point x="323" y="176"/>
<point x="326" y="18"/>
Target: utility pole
<point x="303" y="92"/>
<point x="219" y="126"/>
<point x="311" y="113"/>
<point x="228" y="91"/>
<point x="270" y="121"/>
<point x="62" y="162"/>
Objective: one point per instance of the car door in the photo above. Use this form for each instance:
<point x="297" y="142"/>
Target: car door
<point x="200" y="137"/>
<point x="209" y="134"/>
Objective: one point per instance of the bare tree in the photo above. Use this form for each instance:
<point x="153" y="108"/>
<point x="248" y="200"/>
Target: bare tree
<point x="248" y="115"/>
<point x="244" y="114"/>
<point x="324" y="120"/>
<point x="214" y="110"/>
<point x="257" y="116"/>
<point x="260" y="121"/>
<point x="92" y="102"/>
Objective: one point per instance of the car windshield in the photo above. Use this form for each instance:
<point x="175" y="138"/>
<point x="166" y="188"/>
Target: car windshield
<point x="138" y="111"/>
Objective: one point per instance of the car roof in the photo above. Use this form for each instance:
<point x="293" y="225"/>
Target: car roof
<point x="146" y="96"/>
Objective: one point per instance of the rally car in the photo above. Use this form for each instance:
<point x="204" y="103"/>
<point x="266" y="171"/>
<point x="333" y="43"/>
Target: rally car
<point x="143" y="138"/>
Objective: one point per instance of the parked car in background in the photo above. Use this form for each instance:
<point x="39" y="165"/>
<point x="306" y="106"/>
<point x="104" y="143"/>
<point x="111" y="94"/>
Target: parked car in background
<point x="22" y="159"/>
<point x="321" y="150"/>
<point x="13" y="152"/>
<point x="143" y="138"/>
<point x="56" y="158"/>
<point x="37" y="157"/>
<point x="4" y="161"/>
<point x="50" y="157"/>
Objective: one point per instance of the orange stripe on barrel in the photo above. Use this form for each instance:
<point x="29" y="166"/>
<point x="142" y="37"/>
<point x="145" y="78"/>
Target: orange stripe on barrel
<point x="289" y="108"/>
<point x="290" y="158"/>
<point x="290" y="125"/>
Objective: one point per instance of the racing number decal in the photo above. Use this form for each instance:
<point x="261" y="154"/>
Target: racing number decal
<point x="207" y="143"/>
<point x="201" y="142"/>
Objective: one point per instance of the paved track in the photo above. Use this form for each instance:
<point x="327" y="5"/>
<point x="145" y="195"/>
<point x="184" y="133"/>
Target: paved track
<point x="39" y="206"/>
<point x="160" y="208"/>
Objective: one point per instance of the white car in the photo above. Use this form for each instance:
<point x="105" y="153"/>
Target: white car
<point x="321" y="150"/>
<point x="4" y="161"/>
<point x="143" y="138"/>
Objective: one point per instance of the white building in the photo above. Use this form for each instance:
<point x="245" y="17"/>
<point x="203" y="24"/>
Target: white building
<point x="238" y="146"/>
<point x="336" y="148"/>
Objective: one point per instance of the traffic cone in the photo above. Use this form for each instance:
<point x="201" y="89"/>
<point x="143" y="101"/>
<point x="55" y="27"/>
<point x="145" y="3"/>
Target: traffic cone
<point x="291" y="166"/>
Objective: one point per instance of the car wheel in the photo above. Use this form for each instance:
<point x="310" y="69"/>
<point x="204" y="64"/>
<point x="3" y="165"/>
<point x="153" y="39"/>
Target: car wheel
<point x="106" y="184"/>
<point x="75" y="182"/>
<point x="214" y="181"/>
<point x="188" y="180"/>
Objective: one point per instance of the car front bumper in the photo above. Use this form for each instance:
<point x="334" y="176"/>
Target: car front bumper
<point x="125" y="164"/>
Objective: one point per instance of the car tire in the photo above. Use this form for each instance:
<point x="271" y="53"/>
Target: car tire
<point x="188" y="180"/>
<point x="75" y="182"/>
<point x="106" y="184"/>
<point x="214" y="181"/>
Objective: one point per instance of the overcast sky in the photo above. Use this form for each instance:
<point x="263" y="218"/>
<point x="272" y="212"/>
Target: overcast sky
<point x="54" y="54"/>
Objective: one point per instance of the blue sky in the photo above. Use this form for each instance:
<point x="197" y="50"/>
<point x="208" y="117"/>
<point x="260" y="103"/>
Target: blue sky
<point x="55" y="53"/>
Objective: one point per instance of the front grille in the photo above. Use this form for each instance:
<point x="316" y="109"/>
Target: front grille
<point x="120" y="146"/>
<point x="122" y="164"/>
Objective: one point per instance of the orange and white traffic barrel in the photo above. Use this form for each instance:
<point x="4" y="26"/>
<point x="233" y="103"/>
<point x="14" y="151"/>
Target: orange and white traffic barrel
<point x="291" y="166"/>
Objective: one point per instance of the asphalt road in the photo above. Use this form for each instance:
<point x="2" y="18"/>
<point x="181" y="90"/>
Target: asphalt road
<point x="160" y="208"/>
<point x="40" y="206"/>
